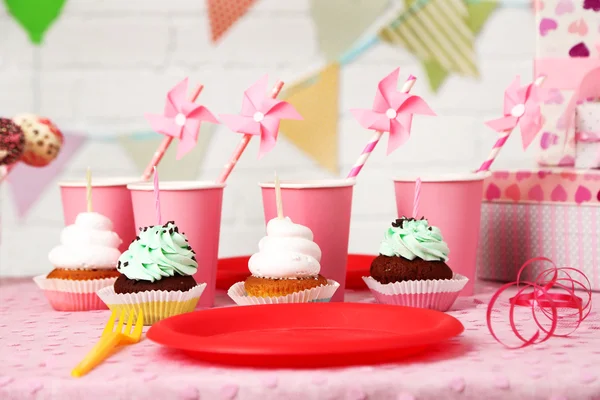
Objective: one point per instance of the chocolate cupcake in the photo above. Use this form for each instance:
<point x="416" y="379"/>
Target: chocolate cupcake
<point x="156" y="275"/>
<point x="411" y="250"/>
<point x="411" y="268"/>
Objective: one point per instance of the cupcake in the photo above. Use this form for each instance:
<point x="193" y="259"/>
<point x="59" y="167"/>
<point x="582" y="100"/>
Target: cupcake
<point x="411" y="268"/>
<point x="84" y="263"/>
<point x="285" y="270"/>
<point x="156" y="275"/>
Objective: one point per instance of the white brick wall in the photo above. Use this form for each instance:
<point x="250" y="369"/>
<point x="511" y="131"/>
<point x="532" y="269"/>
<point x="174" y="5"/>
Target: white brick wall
<point x="106" y="63"/>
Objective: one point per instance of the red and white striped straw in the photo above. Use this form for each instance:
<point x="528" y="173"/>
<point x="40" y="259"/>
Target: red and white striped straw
<point x="485" y="166"/>
<point x="157" y="197"/>
<point x="164" y="145"/>
<point x="364" y="156"/>
<point x="237" y="153"/>
<point x="417" y="198"/>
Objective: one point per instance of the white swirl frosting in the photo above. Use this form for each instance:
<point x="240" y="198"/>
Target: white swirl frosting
<point x="89" y="243"/>
<point x="287" y="252"/>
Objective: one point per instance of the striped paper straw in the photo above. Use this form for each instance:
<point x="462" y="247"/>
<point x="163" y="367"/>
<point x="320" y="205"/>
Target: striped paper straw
<point x="364" y="156"/>
<point x="88" y="189"/>
<point x="501" y="140"/>
<point x="157" y="197"/>
<point x="417" y="198"/>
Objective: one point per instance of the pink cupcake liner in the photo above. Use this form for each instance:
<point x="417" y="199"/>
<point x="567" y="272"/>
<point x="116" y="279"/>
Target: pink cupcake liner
<point x="321" y="294"/>
<point x="437" y="294"/>
<point x="71" y="295"/>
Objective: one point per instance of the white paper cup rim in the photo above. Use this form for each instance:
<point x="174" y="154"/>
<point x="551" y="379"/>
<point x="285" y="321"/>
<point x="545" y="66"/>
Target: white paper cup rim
<point x="309" y="183"/>
<point x="176" y="185"/>
<point x="444" y="177"/>
<point x="100" y="182"/>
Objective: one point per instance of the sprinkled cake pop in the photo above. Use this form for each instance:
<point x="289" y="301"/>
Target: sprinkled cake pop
<point x="12" y="142"/>
<point x="43" y="140"/>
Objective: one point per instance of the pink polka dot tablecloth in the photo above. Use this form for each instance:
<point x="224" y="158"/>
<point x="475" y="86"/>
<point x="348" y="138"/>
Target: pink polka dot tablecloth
<point x="39" y="347"/>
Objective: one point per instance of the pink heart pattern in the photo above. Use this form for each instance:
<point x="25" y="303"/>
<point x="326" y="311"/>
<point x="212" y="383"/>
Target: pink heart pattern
<point x="582" y="194"/>
<point x="591" y="5"/>
<point x="548" y="139"/>
<point x="536" y="193"/>
<point x="554" y="97"/>
<point x="547" y="25"/>
<point x="492" y="192"/>
<point x="578" y="27"/>
<point x="559" y="194"/>
<point x="513" y="192"/>
<point x="543" y="174"/>
<point x="564" y="7"/>
<point x="522" y="175"/>
<point x="579" y="50"/>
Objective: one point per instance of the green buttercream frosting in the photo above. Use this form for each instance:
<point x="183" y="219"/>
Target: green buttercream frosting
<point x="159" y="251"/>
<point x="410" y="238"/>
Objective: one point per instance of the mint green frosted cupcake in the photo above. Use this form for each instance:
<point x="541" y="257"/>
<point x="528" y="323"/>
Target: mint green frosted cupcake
<point x="156" y="275"/>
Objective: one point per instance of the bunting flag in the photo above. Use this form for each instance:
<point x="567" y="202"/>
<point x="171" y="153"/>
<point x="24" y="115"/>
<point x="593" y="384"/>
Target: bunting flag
<point x="28" y="183"/>
<point x="141" y="149"/>
<point x="35" y="16"/>
<point x="316" y="99"/>
<point x="340" y="23"/>
<point x="438" y="32"/>
<point x="222" y="14"/>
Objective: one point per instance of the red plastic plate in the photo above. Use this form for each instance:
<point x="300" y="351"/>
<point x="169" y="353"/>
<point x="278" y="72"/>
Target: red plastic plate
<point x="235" y="269"/>
<point x="305" y="335"/>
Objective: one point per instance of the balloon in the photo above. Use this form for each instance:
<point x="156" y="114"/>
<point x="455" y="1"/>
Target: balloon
<point x="35" y="16"/>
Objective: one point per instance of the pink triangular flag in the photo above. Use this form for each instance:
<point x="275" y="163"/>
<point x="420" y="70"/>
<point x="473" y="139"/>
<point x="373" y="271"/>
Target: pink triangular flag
<point x="28" y="183"/>
<point x="222" y="14"/>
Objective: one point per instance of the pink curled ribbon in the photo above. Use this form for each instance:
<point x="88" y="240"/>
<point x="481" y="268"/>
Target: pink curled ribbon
<point x="541" y="295"/>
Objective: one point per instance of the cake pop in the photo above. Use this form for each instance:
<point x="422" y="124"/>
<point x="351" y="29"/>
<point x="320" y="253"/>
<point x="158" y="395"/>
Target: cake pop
<point x="43" y="140"/>
<point x="12" y="142"/>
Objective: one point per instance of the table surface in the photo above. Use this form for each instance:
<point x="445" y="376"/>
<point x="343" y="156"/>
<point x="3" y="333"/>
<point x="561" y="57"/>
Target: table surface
<point x="40" y="346"/>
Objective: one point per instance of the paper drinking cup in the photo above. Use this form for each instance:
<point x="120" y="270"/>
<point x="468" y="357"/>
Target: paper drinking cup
<point x="195" y="207"/>
<point x="110" y="197"/>
<point x="325" y="207"/>
<point x="452" y="202"/>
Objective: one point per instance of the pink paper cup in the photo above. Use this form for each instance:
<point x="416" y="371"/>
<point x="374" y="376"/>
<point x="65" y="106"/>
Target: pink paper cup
<point x="325" y="207"/>
<point x="452" y="202"/>
<point x="195" y="207"/>
<point x="110" y="197"/>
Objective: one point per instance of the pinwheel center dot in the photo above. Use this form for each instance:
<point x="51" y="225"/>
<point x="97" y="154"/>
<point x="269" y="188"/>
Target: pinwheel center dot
<point x="258" y="116"/>
<point x="391" y="113"/>
<point x="518" y="110"/>
<point x="180" y="119"/>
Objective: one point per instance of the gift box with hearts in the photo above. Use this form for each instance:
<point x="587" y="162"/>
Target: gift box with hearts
<point x="587" y="135"/>
<point x="552" y="213"/>
<point x="568" y="54"/>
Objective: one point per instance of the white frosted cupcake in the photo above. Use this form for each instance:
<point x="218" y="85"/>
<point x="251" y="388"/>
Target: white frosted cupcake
<point x="84" y="262"/>
<point x="286" y="269"/>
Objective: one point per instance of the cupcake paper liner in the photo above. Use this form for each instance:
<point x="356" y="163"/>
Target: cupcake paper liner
<point x="156" y="304"/>
<point x="72" y="295"/>
<point x="438" y="294"/>
<point x="321" y="294"/>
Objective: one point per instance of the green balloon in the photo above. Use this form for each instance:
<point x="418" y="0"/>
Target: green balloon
<point x="35" y="16"/>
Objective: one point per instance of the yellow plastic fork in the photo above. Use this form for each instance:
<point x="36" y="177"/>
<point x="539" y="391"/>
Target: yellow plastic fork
<point x="110" y="339"/>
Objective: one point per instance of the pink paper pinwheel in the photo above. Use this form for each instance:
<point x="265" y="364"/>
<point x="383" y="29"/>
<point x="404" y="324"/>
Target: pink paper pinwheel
<point x="392" y="111"/>
<point x="181" y="119"/>
<point x="522" y="108"/>
<point x="261" y="115"/>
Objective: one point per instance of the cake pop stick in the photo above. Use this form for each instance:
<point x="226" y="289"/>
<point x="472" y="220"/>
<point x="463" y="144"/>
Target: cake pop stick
<point x="278" y="198"/>
<point x="88" y="189"/>
<point x="417" y="198"/>
<point x="157" y="197"/>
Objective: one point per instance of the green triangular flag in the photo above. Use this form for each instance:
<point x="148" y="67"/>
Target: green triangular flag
<point x="35" y="16"/>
